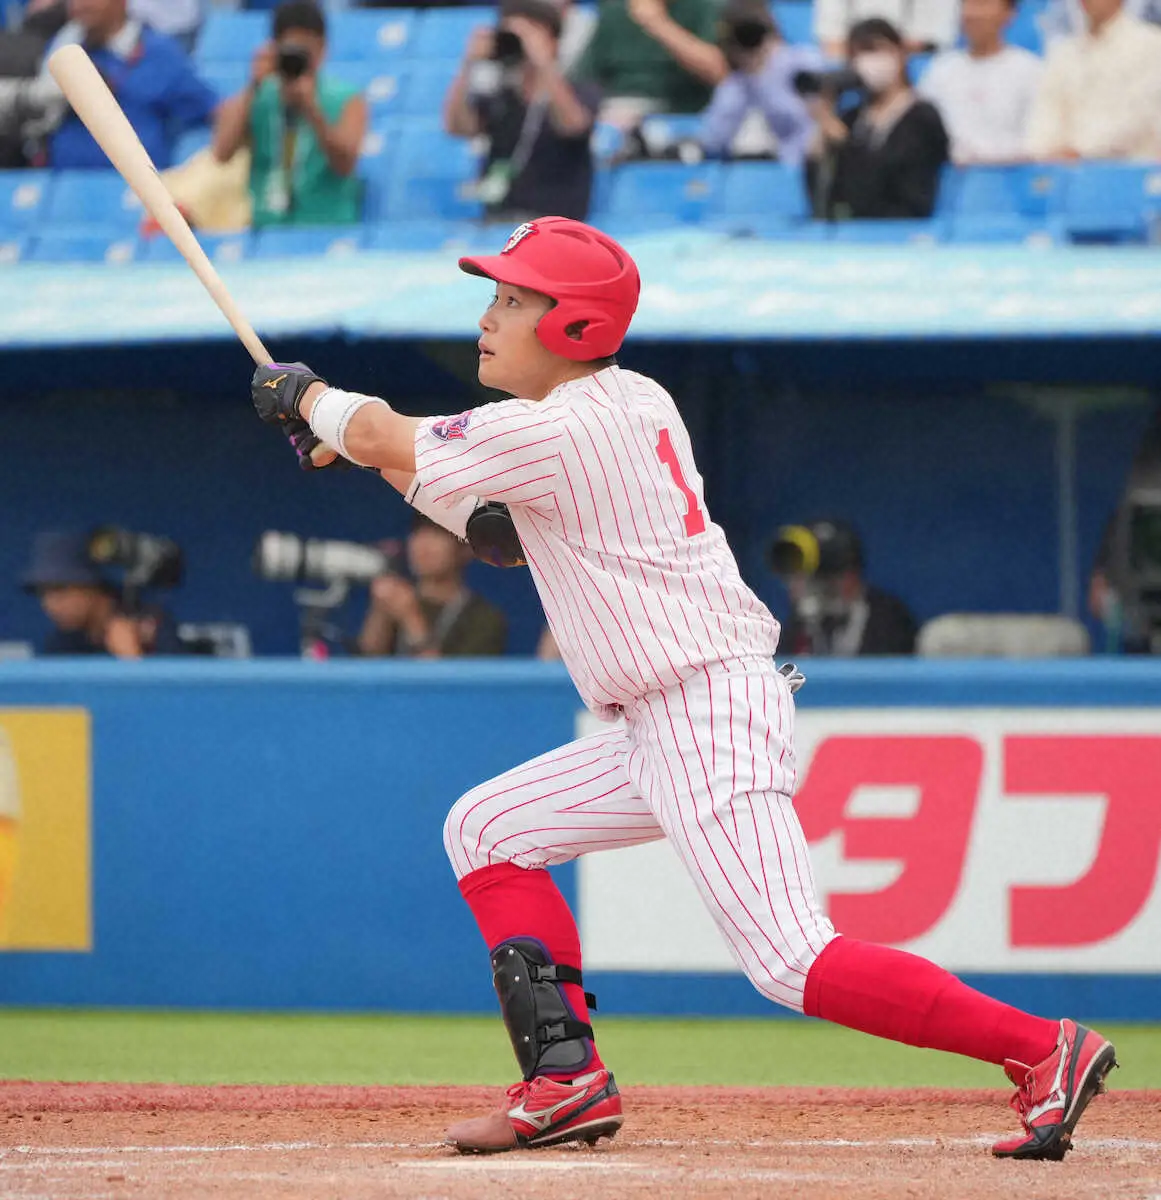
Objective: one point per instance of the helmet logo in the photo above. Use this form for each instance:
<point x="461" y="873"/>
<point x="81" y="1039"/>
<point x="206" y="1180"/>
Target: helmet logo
<point x="518" y="235"/>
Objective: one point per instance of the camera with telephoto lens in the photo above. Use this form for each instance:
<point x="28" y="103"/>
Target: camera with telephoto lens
<point x="828" y="83"/>
<point x="288" y="558"/>
<point x="147" y="560"/>
<point x="293" y="61"/>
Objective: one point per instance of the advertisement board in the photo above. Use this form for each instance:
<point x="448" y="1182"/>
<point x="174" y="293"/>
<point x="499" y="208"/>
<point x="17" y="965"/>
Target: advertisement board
<point x="991" y="840"/>
<point x="45" y="879"/>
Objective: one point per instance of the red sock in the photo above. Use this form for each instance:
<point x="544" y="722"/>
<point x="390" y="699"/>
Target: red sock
<point x="905" y="998"/>
<point x="512" y="902"/>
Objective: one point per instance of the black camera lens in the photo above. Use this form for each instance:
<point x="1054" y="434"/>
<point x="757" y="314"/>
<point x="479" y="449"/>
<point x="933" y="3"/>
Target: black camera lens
<point x="293" y="61"/>
<point x="508" y="48"/>
<point x="749" y="35"/>
<point x="832" y="83"/>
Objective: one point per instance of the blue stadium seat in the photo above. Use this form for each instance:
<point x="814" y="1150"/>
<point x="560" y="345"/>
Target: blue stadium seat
<point x="379" y="145"/>
<point x="334" y="241"/>
<point x="917" y="65"/>
<point x="607" y="141"/>
<point x="1007" y="228"/>
<point x="1029" y="191"/>
<point x="682" y="193"/>
<point x="888" y="233"/>
<point x="762" y="189"/>
<point x="426" y="86"/>
<point x="22" y="197"/>
<point x="1111" y="202"/>
<point x="382" y="83"/>
<point x="376" y="34"/>
<point x="226" y="78"/>
<point x="444" y="32"/>
<point x="425" y="236"/>
<point x="231" y="36"/>
<point x="190" y="142"/>
<point x="221" y="248"/>
<point x="796" y="20"/>
<point x="431" y="177"/>
<point x="97" y="198"/>
<point x="88" y="245"/>
<point x="1025" y="28"/>
<point x="663" y="131"/>
<point x="13" y="248"/>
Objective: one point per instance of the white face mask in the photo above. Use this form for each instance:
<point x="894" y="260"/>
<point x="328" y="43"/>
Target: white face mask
<point x="878" y="69"/>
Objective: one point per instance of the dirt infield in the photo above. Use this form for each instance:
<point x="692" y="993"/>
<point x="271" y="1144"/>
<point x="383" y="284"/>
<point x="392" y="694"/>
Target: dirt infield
<point x="117" y="1141"/>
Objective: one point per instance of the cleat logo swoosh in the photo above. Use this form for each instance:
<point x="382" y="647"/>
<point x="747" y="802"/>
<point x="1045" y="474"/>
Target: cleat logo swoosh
<point x="542" y="1118"/>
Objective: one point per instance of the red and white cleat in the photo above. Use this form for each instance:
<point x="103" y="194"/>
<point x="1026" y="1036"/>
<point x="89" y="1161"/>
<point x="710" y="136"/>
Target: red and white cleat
<point x="543" y="1112"/>
<point x="1051" y="1096"/>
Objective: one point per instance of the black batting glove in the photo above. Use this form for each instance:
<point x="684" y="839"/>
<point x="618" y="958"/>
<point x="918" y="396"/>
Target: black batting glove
<point x="277" y="390"/>
<point x="794" y="677"/>
<point x="299" y="434"/>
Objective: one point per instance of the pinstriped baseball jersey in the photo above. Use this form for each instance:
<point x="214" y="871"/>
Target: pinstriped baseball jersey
<point x="639" y="587"/>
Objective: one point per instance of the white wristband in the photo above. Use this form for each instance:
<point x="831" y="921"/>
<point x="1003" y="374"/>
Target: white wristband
<point x="332" y="413"/>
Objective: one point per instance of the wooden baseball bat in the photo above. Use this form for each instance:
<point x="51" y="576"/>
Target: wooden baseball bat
<point x="97" y="107"/>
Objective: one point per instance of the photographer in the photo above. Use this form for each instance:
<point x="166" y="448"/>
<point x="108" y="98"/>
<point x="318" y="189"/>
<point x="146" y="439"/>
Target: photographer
<point x="437" y="616"/>
<point x="762" y="71"/>
<point x="510" y="87"/>
<point x="835" y="611"/>
<point x="150" y="75"/>
<point x="87" y="609"/>
<point x="303" y="128"/>
<point x="883" y="157"/>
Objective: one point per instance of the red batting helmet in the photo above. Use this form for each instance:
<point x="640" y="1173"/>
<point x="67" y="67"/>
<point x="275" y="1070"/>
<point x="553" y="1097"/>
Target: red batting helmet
<point x="593" y="281"/>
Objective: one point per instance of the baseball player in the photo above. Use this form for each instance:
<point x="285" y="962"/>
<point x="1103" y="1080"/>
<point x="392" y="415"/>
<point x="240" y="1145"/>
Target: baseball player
<point x="664" y="640"/>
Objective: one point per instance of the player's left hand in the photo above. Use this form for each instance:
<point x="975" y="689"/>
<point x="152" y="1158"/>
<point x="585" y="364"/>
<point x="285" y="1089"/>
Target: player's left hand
<point x="794" y="677"/>
<point x="277" y="390"/>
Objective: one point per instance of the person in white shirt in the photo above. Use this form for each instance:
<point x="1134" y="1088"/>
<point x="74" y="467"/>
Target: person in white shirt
<point x="984" y="92"/>
<point x="1100" y="94"/>
<point x="1066" y="18"/>
<point x="925" y="24"/>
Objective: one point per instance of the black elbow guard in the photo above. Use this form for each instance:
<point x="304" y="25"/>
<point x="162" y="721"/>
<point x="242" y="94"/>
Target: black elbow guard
<point x="493" y="538"/>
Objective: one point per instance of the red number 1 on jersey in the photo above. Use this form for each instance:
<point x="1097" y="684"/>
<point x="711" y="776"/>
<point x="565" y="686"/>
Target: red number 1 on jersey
<point x="694" y="517"/>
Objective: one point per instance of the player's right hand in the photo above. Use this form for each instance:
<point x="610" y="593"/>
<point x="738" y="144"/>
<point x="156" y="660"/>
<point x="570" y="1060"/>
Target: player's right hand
<point x="277" y="390"/>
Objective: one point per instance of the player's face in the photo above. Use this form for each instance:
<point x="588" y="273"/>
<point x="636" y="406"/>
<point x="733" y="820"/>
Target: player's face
<point x="512" y="358"/>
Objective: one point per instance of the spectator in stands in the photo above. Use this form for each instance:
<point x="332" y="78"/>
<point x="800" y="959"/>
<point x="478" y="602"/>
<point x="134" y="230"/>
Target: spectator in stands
<point x="834" y="611"/>
<point x="1100" y="95"/>
<point x="85" y="607"/>
<point x="984" y="92"/>
<point x="651" y="56"/>
<point x="884" y="156"/>
<point x="180" y="19"/>
<point x="924" y="24"/>
<point x="1067" y="18"/>
<point x="304" y="129"/>
<point x="761" y="81"/>
<point x="437" y="616"/>
<point x="510" y="88"/>
<point x="149" y="73"/>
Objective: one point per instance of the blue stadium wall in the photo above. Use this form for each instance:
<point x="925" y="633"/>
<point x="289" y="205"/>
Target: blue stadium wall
<point x="948" y="469"/>
<point x="220" y="857"/>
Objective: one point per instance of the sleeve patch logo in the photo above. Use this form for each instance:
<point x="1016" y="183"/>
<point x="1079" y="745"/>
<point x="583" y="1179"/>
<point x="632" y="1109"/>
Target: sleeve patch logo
<point x="451" y="429"/>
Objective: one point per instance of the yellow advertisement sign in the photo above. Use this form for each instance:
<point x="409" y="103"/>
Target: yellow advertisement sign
<point x="45" y="847"/>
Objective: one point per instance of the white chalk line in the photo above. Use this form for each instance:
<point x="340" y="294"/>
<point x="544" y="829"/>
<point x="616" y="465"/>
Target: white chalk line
<point x="20" y="1157"/>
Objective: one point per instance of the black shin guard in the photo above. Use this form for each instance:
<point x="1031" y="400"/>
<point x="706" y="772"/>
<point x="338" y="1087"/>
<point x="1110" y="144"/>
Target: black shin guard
<point x="545" y="1034"/>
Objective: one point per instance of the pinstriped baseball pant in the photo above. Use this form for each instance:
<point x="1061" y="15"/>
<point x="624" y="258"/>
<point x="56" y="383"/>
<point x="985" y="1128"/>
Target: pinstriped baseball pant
<point x="708" y="764"/>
